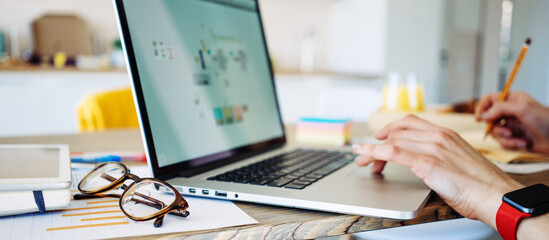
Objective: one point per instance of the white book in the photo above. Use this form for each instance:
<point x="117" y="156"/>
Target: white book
<point x="34" y="176"/>
<point x="12" y="203"/>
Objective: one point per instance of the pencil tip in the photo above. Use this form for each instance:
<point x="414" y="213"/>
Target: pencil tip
<point x="528" y="41"/>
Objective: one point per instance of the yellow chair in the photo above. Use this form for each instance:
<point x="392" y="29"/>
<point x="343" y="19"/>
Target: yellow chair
<point x="107" y="110"/>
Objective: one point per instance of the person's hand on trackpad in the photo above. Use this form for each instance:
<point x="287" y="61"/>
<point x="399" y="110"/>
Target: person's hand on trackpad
<point x="459" y="174"/>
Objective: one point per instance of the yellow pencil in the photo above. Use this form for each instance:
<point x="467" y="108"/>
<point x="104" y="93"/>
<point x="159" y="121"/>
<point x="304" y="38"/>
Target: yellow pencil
<point x="510" y="79"/>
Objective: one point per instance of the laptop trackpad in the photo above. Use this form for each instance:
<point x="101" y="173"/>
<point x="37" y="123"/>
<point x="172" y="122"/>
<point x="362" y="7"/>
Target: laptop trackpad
<point x="395" y="189"/>
<point x="392" y="173"/>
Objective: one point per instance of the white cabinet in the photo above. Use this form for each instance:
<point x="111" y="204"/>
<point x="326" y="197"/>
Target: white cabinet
<point x="328" y="96"/>
<point x="44" y="101"/>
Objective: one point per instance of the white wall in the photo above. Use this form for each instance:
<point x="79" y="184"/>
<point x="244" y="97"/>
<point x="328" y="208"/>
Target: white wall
<point x="414" y="41"/>
<point x="287" y="23"/>
<point x="463" y="51"/>
<point x="366" y="37"/>
<point x="358" y="33"/>
<point x="490" y="46"/>
<point x="348" y="35"/>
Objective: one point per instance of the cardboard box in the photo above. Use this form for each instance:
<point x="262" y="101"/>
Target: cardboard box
<point x="61" y="33"/>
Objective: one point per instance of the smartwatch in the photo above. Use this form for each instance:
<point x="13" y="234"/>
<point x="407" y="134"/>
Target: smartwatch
<point x="526" y="202"/>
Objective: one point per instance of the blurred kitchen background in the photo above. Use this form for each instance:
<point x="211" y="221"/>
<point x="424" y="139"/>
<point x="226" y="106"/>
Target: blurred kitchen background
<point x="331" y="57"/>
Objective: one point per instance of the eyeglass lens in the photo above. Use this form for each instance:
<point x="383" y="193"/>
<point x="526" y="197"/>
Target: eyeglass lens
<point x="102" y="177"/>
<point x="146" y="198"/>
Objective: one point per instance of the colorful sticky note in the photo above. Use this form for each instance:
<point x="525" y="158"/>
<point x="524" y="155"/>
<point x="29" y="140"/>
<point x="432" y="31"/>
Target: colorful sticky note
<point x="324" y="131"/>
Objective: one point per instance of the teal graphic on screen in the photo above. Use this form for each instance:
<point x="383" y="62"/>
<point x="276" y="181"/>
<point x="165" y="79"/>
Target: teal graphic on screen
<point x="205" y="76"/>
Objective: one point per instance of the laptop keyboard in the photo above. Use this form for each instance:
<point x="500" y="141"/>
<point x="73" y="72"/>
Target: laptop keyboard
<point x="297" y="169"/>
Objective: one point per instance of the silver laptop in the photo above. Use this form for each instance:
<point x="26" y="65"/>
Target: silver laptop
<point x="211" y="123"/>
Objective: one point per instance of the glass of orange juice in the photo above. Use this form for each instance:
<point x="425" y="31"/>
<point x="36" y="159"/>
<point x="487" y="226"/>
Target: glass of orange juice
<point x="402" y="94"/>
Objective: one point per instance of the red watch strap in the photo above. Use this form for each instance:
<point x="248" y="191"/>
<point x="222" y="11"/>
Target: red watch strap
<point x="507" y="220"/>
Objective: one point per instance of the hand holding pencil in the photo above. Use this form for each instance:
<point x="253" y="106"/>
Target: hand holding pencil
<point x="523" y="122"/>
<point x="510" y="79"/>
<point x="526" y="125"/>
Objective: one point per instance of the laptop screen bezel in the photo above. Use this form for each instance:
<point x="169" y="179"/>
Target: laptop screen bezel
<point x="200" y="164"/>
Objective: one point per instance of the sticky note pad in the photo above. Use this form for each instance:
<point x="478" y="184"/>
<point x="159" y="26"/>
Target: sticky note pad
<point x="335" y="132"/>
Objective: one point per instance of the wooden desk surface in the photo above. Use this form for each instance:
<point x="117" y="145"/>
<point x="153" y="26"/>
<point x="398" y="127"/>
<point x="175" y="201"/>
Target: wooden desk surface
<point x="274" y="222"/>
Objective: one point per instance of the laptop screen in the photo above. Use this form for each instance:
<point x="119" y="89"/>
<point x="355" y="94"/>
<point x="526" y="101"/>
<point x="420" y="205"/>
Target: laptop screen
<point x="204" y="75"/>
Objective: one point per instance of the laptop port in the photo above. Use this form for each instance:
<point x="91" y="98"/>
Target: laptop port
<point x="205" y="192"/>
<point x="192" y="190"/>
<point x="220" y="194"/>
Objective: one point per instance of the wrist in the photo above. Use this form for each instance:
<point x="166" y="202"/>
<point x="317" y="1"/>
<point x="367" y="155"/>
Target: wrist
<point x="532" y="228"/>
<point x="525" y="228"/>
<point x="493" y="199"/>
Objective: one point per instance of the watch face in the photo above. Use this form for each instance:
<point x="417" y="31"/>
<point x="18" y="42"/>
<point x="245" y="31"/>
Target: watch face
<point x="533" y="199"/>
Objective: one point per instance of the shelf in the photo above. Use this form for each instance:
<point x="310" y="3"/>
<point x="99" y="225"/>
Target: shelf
<point x="35" y="68"/>
<point x="321" y="73"/>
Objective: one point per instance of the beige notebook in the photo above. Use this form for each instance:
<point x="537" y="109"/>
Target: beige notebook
<point x="492" y="150"/>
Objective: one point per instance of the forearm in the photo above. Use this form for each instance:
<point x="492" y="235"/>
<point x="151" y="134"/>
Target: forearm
<point x="533" y="228"/>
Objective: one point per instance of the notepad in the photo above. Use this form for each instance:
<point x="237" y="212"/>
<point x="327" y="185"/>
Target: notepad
<point x="336" y="132"/>
<point x="34" y="178"/>
<point x="492" y="150"/>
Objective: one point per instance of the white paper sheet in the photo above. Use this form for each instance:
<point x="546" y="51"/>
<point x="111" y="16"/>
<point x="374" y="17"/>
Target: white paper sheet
<point x="523" y="168"/>
<point x="102" y="218"/>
